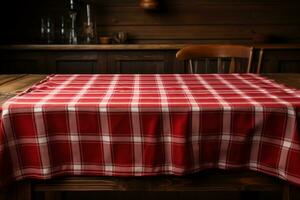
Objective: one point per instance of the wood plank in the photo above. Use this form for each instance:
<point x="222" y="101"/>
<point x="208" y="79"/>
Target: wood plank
<point x="99" y="47"/>
<point x="190" y="32"/>
<point x="292" y="80"/>
<point x="18" y="84"/>
<point x="21" y="84"/>
<point x="203" y="31"/>
<point x="179" y="2"/>
<point x="113" y="47"/>
<point x="5" y="78"/>
<point x="134" y="2"/>
<point x="185" y="14"/>
<point x="210" y="180"/>
<point x="167" y="2"/>
<point x="83" y="47"/>
<point x="284" y="14"/>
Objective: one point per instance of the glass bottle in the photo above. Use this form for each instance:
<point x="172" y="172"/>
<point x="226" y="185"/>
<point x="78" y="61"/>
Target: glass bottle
<point x="89" y="28"/>
<point x="73" y="14"/>
<point x="49" y="31"/>
<point x="62" y="31"/>
<point x="43" y="31"/>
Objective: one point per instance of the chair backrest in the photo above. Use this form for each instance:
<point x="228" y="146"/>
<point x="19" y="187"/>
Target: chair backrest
<point x="193" y="54"/>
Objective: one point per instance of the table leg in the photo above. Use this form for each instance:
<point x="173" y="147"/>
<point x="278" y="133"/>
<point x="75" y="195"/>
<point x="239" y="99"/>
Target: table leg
<point x="23" y="190"/>
<point x="286" y="192"/>
<point x="247" y="195"/>
<point x="50" y="195"/>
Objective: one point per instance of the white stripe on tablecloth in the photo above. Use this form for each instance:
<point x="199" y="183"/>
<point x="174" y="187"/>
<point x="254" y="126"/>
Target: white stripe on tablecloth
<point x="166" y="124"/>
<point x="40" y="126"/>
<point x="136" y="128"/>
<point x="257" y="138"/>
<point x="195" y="136"/>
<point x="226" y="122"/>
<point x="106" y="137"/>
<point x="90" y="137"/>
<point x="258" y="115"/>
<point x="290" y="124"/>
<point x="73" y="126"/>
<point x="11" y="138"/>
<point x="42" y="138"/>
<point x="149" y="97"/>
<point x="120" y="103"/>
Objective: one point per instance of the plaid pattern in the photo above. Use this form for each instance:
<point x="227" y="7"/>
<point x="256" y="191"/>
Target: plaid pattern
<point x="139" y="125"/>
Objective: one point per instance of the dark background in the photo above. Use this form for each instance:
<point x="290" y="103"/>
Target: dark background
<point x="177" y="21"/>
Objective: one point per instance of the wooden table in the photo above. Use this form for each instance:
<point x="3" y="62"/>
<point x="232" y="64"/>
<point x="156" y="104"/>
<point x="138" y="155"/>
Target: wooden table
<point x="211" y="180"/>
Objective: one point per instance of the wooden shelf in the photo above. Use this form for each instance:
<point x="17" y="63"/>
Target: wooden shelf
<point x="100" y="47"/>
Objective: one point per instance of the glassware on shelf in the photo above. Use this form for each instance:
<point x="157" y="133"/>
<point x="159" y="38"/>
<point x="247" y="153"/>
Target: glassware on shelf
<point x="62" y="31"/>
<point x="89" y="28"/>
<point x="73" y="33"/>
<point x="66" y="30"/>
<point x="89" y="33"/>
<point x="43" y="31"/>
<point x="49" y="31"/>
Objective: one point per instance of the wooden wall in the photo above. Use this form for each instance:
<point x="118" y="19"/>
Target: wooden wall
<point x="178" y="21"/>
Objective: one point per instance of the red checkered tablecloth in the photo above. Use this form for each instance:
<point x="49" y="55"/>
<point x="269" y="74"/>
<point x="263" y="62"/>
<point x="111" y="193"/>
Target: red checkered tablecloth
<point x="140" y="125"/>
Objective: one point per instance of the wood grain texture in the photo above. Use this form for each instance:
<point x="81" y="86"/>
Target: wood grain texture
<point x="211" y="180"/>
<point x="9" y="77"/>
<point x="189" y="21"/>
<point x="98" y="47"/>
<point x="20" y="84"/>
<point x="116" y="47"/>
<point x="291" y="80"/>
<point x="39" y="59"/>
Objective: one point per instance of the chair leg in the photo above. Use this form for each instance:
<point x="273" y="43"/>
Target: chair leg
<point x="207" y="64"/>
<point x="260" y="60"/>
<point x="219" y="63"/>
<point x="196" y="67"/>
<point x="191" y="66"/>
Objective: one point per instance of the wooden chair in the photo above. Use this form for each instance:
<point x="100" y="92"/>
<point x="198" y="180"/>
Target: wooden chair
<point x="221" y="53"/>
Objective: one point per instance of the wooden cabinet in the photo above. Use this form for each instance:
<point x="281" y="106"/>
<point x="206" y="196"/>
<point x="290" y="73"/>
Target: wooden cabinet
<point x="128" y="59"/>
<point x="144" y="62"/>
<point x="64" y="62"/>
<point x="22" y="62"/>
<point x="281" y="61"/>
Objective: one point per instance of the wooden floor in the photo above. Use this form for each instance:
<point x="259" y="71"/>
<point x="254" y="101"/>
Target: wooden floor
<point x="211" y="184"/>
